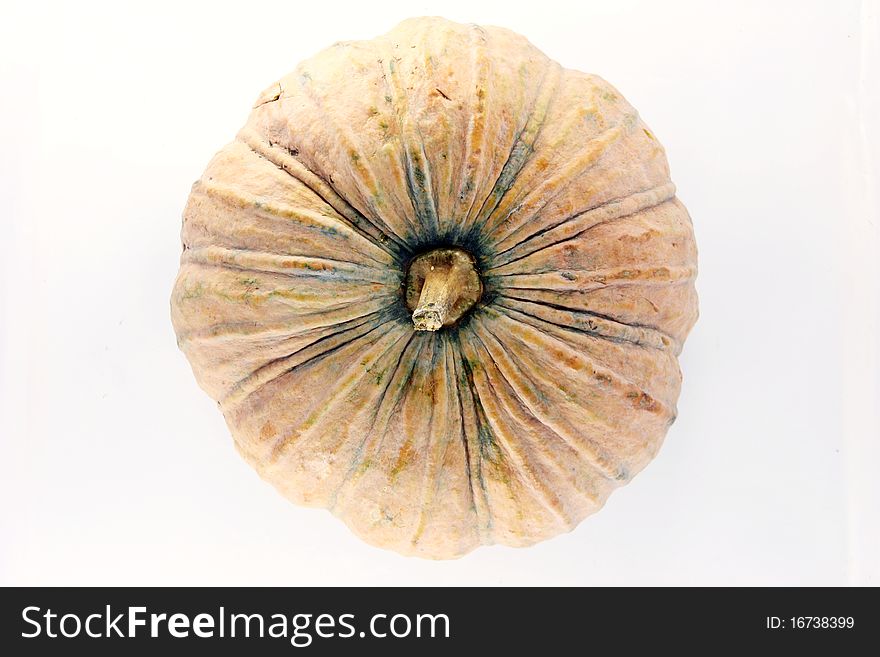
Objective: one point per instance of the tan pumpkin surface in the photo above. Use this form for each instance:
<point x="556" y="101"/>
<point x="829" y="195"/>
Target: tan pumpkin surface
<point x="555" y="388"/>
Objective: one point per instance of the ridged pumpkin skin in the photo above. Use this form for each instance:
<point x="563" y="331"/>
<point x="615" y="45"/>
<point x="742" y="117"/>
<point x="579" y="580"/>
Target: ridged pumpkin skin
<point x="554" y="389"/>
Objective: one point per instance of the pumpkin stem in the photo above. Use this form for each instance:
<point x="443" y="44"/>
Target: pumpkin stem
<point x="435" y="300"/>
<point x="445" y="284"/>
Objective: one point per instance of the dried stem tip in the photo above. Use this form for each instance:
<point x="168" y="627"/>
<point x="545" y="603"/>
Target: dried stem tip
<point x="441" y="286"/>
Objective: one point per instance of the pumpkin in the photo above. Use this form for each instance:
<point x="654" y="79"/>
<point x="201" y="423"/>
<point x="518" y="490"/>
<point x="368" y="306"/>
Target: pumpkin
<point x="438" y="285"/>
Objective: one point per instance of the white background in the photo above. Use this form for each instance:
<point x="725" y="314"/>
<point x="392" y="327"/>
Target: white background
<point x="117" y="469"/>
